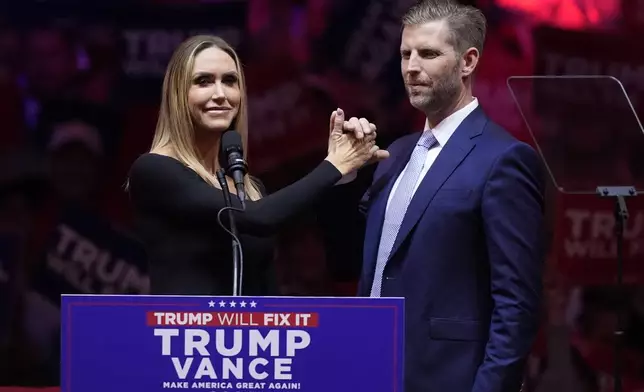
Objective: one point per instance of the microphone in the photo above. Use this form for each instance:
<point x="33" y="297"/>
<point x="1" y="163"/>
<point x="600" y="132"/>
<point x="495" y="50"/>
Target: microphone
<point x="231" y="159"/>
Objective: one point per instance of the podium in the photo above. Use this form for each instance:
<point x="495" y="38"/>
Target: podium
<point x="231" y="344"/>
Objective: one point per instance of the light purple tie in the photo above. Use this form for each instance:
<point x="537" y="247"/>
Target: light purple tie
<point x="398" y="206"/>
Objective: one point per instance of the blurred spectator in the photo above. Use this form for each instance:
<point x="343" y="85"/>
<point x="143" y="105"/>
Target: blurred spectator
<point x="269" y="33"/>
<point x="596" y="338"/>
<point x="561" y="367"/>
<point x="310" y="22"/>
<point x="598" y="319"/>
<point x="12" y="126"/>
<point x="10" y="53"/>
<point x="635" y="336"/>
<point x="107" y="121"/>
<point x="287" y="112"/>
<point x="101" y="81"/>
<point x="76" y="169"/>
<point x="50" y="63"/>
<point x="138" y="129"/>
<point x="22" y="185"/>
<point x="22" y="181"/>
<point x="50" y="69"/>
<point x="76" y="152"/>
<point x="356" y="62"/>
<point x="11" y="109"/>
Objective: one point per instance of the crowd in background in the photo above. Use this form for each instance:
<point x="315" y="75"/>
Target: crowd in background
<point x="78" y="103"/>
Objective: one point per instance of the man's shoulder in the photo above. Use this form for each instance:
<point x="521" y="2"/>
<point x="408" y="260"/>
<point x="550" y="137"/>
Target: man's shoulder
<point x="501" y="148"/>
<point x="496" y="135"/>
<point x="497" y="141"/>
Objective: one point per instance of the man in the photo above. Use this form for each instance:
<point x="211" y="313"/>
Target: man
<point x="455" y="218"/>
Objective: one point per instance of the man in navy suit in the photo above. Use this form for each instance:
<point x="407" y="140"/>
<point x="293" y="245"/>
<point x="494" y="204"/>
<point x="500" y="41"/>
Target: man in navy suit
<point x="455" y="218"/>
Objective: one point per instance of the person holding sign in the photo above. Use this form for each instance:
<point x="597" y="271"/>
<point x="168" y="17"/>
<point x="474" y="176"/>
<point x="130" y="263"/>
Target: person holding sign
<point x="455" y="219"/>
<point x="177" y="197"/>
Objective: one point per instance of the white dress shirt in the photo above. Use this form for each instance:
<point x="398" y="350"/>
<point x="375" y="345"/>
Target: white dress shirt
<point x="442" y="132"/>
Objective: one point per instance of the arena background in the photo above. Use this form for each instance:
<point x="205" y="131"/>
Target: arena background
<point x="91" y="72"/>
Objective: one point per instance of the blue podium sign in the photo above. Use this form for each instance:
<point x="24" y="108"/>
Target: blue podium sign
<point x="231" y="344"/>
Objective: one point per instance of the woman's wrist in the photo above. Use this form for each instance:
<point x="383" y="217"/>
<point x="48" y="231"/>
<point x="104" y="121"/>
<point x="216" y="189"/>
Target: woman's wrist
<point x="343" y="169"/>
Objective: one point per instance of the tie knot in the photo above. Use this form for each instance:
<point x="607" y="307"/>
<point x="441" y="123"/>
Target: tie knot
<point x="427" y="140"/>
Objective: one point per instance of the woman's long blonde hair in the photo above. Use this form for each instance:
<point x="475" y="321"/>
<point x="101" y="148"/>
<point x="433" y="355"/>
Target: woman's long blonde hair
<point x="175" y="127"/>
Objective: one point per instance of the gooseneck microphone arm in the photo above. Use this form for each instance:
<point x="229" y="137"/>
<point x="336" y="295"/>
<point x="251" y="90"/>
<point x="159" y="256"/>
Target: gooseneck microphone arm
<point x="231" y="161"/>
<point x="238" y="258"/>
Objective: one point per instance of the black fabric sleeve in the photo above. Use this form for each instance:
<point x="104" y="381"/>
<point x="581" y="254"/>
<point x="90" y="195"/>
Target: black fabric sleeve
<point x="163" y="186"/>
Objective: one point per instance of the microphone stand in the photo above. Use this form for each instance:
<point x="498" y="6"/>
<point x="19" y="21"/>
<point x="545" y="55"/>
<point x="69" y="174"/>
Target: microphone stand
<point x="619" y="193"/>
<point x="236" y="246"/>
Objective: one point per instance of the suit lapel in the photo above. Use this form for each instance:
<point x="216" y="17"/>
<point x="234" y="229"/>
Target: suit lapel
<point x="453" y="153"/>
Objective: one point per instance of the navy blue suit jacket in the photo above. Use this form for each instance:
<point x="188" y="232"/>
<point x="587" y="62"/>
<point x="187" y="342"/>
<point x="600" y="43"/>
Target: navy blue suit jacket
<point x="468" y="258"/>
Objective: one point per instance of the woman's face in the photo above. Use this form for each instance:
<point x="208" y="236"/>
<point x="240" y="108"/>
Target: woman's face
<point x="214" y="96"/>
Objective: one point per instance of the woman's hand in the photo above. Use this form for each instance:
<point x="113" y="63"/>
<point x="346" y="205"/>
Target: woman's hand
<point x="352" y="144"/>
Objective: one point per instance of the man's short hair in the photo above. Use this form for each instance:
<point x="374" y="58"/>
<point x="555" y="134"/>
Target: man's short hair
<point x="467" y="24"/>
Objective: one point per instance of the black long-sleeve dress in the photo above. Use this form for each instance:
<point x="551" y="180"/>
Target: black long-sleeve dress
<point x="188" y="252"/>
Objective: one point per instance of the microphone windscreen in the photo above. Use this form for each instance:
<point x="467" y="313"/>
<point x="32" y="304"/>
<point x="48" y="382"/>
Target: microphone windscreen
<point x="231" y="141"/>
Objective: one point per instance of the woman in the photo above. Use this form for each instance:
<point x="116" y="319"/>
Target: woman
<point x="175" y="193"/>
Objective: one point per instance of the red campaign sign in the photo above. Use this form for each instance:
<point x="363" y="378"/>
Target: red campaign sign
<point x="232" y="319"/>
<point x="562" y="52"/>
<point x="585" y="245"/>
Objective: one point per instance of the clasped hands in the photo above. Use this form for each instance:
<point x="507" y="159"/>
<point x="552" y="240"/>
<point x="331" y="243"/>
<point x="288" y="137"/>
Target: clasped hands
<point x="359" y="130"/>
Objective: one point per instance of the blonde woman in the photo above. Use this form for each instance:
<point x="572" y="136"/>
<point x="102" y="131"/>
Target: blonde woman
<point x="176" y="195"/>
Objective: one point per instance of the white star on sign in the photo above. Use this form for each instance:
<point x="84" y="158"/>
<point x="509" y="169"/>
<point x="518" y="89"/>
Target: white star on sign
<point x="232" y="304"/>
<point x="242" y="304"/>
<point x="253" y="304"/>
<point x="222" y="304"/>
<point x="211" y="304"/>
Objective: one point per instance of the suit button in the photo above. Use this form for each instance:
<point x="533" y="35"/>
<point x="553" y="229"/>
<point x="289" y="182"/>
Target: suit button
<point x="389" y="278"/>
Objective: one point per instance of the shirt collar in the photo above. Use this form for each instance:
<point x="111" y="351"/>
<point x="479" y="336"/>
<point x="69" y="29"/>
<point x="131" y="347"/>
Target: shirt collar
<point x="446" y="128"/>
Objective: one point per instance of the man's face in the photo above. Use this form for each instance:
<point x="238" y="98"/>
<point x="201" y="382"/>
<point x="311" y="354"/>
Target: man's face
<point x="430" y="66"/>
